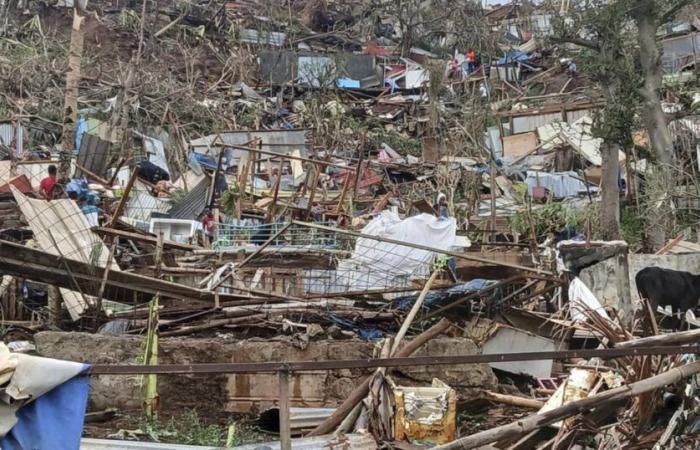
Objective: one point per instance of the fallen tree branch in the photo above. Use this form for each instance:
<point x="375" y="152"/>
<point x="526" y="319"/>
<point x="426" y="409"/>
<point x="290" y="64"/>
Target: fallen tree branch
<point x="679" y="338"/>
<point x="513" y="400"/>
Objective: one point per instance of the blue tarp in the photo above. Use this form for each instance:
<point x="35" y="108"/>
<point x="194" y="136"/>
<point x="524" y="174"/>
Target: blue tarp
<point x="81" y="129"/>
<point x="347" y="83"/>
<point x="204" y="160"/>
<point x="511" y="57"/>
<point x="52" y="421"/>
<point x="444" y="295"/>
<point x="368" y="334"/>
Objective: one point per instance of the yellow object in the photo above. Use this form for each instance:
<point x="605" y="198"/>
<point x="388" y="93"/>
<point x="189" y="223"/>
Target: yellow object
<point x="426" y="413"/>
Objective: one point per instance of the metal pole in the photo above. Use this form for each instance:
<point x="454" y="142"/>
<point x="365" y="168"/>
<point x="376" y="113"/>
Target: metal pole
<point x="285" y="429"/>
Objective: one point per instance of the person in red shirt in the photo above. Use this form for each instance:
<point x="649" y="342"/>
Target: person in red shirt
<point x="208" y="225"/>
<point x="48" y="184"/>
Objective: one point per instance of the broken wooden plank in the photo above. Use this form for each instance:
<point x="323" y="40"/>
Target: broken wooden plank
<point x="113" y="232"/>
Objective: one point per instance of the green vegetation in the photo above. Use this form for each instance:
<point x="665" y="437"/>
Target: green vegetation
<point x="190" y="428"/>
<point x="632" y="226"/>
<point x="187" y="429"/>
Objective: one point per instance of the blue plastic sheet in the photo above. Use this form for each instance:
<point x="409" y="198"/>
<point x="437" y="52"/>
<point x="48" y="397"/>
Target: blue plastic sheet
<point x="80" y="187"/>
<point x="54" y="420"/>
<point x="368" y="334"/>
<point x="204" y="160"/>
<point x="347" y="83"/>
<point x="444" y="295"/>
<point x="81" y="129"/>
<point x="513" y="56"/>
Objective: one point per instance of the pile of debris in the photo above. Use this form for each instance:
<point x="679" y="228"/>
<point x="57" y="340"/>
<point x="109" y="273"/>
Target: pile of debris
<point x="383" y="178"/>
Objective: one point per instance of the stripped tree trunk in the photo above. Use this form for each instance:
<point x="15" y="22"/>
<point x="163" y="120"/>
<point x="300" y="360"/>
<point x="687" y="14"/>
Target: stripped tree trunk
<point x="610" y="193"/>
<point x="655" y="122"/>
<point x="70" y="105"/>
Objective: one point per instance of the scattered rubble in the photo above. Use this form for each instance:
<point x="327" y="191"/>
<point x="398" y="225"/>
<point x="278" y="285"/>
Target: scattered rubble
<point x="247" y="182"/>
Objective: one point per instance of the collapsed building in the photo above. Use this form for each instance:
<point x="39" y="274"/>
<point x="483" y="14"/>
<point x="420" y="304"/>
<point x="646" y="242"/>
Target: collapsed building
<point x="362" y="202"/>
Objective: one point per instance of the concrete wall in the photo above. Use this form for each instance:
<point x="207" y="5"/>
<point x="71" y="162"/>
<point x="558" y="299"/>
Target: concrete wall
<point x="603" y="278"/>
<point x="245" y="393"/>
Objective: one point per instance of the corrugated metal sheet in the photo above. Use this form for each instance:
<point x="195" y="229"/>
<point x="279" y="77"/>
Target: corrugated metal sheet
<point x="192" y="205"/>
<point x="142" y="204"/>
<point x="510" y="340"/>
<point x="573" y="116"/>
<point x="278" y="141"/>
<point x="12" y="136"/>
<point x="299" y="418"/>
<point x="352" y="441"/>
<point x="62" y="229"/>
<point x="249" y="36"/>
<point x="680" y="51"/>
<point x="278" y="67"/>
<point x="93" y="155"/>
<point x="531" y="123"/>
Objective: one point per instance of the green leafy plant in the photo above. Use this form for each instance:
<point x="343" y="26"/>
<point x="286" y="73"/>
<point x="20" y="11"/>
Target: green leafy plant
<point x="229" y="199"/>
<point x="188" y="429"/>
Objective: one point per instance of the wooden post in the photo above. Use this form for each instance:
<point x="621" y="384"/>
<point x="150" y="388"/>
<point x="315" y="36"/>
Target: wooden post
<point x="94" y="176"/>
<point x="124" y="199"/>
<point x="312" y="195"/>
<point x="54" y="300"/>
<point x="343" y="193"/>
<point x="285" y="429"/>
<point x="70" y="103"/>
<point x="159" y="255"/>
<point x="412" y="314"/>
<point x="271" y="208"/>
<point x="116" y="172"/>
<point x="105" y="275"/>
<point x="492" y="174"/>
<point x="242" y="183"/>
<point x="212" y="193"/>
<point x="358" y="174"/>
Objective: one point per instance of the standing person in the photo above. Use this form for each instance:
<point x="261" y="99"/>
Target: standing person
<point x="483" y="92"/>
<point x="48" y="184"/>
<point x="208" y="225"/>
<point x="471" y="61"/>
<point x="440" y="206"/>
<point x="454" y="65"/>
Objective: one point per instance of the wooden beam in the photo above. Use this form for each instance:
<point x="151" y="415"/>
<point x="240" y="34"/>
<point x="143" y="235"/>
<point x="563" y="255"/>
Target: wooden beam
<point x="288" y="156"/>
<point x="19" y="260"/>
<point x="94" y="176"/>
<point x="104" y="231"/>
<point x="125" y="197"/>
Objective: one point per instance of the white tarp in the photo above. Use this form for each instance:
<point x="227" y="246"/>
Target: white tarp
<point x="381" y="265"/>
<point x="581" y="298"/>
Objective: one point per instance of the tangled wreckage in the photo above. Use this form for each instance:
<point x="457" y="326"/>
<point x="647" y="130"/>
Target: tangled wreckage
<point x="297" y="219"/>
